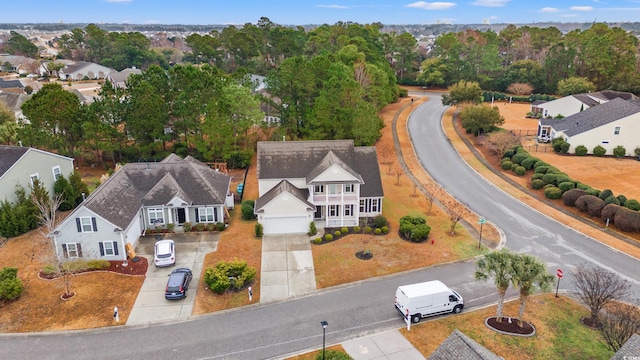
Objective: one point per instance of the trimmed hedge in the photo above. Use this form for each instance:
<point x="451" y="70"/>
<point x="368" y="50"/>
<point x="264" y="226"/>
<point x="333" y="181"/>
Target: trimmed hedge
<point x="569" y="197"/>
<point x="605" y="194"/>
<point x="537" y="184"/>
<point x="619" y="151"/>
<point x="566" y="185"/>
<point x="537" y="176"/>
<point x="539" y="163"/>
<point x="519" y="157"/>
<point x="552" y="193"/>
<point x="627" y="220"/>
<point x="632" y="204"/>
<point x="506" y="165"/>
<point x="609" y="212"/>
<point x="599" y="151"/>
<point x="542" y="169"/>
<point x="590" y="204"/>
<point x="611" y="200"/>
<point x="594" y="192"/>
<point x="581" y="150"/>
<point x="413" y="228"/>
<point x="529" y="162"/>
<point x="549" y="178"/>
<point x="520" y="170"/>
<point x="622" y="199"/>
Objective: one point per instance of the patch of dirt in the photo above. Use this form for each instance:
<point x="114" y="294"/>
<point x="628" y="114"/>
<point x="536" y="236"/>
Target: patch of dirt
<point x="510" y="326"/>
<point x="591" y="323"/>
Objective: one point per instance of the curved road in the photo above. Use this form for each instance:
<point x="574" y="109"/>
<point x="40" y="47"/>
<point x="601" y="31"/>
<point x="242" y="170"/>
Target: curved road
<point x="353" y="310"/>
<point x="526" y="229"/>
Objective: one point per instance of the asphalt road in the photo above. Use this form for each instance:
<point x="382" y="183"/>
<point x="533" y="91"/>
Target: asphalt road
<point x="527" y="230"/>
<point x="353" y="310"/>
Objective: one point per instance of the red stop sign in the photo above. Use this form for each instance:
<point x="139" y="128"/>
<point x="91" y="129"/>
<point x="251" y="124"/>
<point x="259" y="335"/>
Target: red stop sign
<point x="559" y="273"/>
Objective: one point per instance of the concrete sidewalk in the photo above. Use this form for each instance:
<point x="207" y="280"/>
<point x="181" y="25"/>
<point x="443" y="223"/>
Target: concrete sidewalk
<point x="287" y="267"/>
<point x="389" y="345"/>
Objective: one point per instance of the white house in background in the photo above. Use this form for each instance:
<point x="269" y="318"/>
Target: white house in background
<point x="616" y="122"/>
<point x="19" y="166"/>
<point x="573" y="104"/>
<point x="80" y="70"/>
<point x="331" y="182"/>
<point x="143" y="196"/>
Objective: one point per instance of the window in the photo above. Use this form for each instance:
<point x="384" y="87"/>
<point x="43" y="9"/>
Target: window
<point x="71" y="250"/>
<point x="333" y="210"/>
<point x="34" y="177"/>
<point x="374" y="205"/>
<point x="86" y="224"/>
<point x="57" y="173"/>
<point x="348" y="210"/>
<point x="362" y="207"/>
<point x="333" y="189"/>
<point x="616" y="131"/>
<point x="205" y="215"/>
<point x="318" y="189"/>
<point x="108" y="248"/>
<point x="156" y="216"/>
<point x="349" y="188"/>
<point x="369" y="205"/>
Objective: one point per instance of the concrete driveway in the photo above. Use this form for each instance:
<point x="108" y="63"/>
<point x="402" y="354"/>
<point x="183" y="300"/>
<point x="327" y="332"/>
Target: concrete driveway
<point x="287" y="267"/>
<point x="150" y="305"/>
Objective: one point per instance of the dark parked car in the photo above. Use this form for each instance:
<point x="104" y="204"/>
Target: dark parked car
<point x="178" y="284"/>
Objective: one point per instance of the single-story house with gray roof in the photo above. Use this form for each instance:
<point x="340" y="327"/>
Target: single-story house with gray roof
<point x="333" y="183"/>
<point x="613" y="123"/>
<point x="573" y="104"/>
<point x="139" y="197"/>
<point x="461" y="347"/>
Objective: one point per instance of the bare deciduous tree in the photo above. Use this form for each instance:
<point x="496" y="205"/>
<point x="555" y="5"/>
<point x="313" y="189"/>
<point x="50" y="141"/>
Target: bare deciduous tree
<point x="456" y="212"/>
<point x="619" y="322"/>
<point x="597" y="287"/>
<point x="398" y="173"/>
<point x="520" y="89"/>
<point x="433" y="190"/>
<point x="499" y="142"/>
<point x="387" y="153"/>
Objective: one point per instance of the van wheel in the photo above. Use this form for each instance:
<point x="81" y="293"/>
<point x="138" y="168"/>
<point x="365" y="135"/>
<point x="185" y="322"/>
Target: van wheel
<point x="457" y="309"/>
<point x="416" y="318"/>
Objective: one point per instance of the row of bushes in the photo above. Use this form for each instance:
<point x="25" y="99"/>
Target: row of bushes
<point x="219" y="226"/>
<point x="333" y="235"/>
<point x="487" y="96"/>
<point x="557" y="184"/>
<point x="562" y="147"/>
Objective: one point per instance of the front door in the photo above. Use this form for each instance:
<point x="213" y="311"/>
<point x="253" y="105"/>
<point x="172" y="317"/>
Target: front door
<point x="179" y="215"/>
<point x="319" y="214"/>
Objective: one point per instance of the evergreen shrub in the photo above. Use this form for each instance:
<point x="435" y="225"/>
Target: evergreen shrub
<point x="552" y="193"/>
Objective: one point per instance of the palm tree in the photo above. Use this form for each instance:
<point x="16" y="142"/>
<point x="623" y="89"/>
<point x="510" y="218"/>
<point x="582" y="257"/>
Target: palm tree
<point x="529" y="273"/>
<point x="496" y="265"/>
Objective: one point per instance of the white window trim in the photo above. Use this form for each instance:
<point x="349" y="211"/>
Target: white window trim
<point x="57" y="175"/>
<point x="155" y="211"/>
<point x="348" y="210"/>
<point x="206" y="211"/>
<point x="333" y="210"/>
<point x="107" y="246"/>
<point x="32" y="176"/>
<point x="75" y="250"/>
<point x="332" y="189"/>
<point x="349" y="188"/>
<point x="82" y="224"/>
<point x="318" y="189"/>
<point x="617" y="130"/>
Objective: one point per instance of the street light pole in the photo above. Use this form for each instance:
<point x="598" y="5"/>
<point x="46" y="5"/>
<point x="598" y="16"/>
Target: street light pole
<point x="324" y="324"/>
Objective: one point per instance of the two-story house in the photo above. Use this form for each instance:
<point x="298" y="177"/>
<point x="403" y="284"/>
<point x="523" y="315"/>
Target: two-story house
<point x="333" y="183"/>
<point x="139" y="197"/>
<point x="19" y="166"/>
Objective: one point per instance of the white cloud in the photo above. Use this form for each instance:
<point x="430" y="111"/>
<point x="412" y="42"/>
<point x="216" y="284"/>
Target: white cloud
<point x="431" y="6"/>
<point x="549" y="10"/>
<point x="490" y="3"/>
<point x="333" y="6"/>
<point x="581" y="8"/>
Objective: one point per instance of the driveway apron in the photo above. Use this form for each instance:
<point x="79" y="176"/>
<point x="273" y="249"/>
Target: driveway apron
<point x="287" y="267"/>
<point x="150" y="305"/>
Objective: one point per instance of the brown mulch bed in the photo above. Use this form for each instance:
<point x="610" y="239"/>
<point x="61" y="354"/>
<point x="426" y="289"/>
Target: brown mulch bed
<point x="134" y="268"/>
<point x="510" y="328"/>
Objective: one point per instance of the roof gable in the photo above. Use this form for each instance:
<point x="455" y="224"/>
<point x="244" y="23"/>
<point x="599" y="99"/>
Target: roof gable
<point x="283" y="187"/>
<point x="119" y="199"/>
<point x="461" y="347"/>
<point x="9" y="156"/>
<point x="594" y="117"/>
<point x="332" y="168"/>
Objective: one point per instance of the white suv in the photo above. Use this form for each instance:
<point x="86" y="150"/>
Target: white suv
<point x="164" y="253"/>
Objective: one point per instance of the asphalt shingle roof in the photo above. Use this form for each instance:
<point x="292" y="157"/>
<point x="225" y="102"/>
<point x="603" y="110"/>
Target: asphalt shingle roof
<point x="461" y="347"/>
<point x="298" y="159"/>
<point x="9" y="155"/>
<point x="283" y="186"/>
<point x="629" y="350"/>
<point x="594" y="117"/>
<point x="146" y="184"/>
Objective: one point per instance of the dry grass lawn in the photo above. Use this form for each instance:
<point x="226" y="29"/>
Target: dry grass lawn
<point x="559" y="334"/>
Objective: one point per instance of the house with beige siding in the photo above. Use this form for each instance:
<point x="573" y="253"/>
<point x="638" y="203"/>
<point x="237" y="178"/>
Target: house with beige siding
<point x="332" y="183"/>
<point x="611" y="124"/>
<point x="20" y="166"/>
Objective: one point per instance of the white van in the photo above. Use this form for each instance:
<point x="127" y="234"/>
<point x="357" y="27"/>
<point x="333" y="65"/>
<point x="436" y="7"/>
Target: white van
<point x="429" y="298"/>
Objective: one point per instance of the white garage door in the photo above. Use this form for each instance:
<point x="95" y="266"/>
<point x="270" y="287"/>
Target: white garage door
<point x="282" y="225"/>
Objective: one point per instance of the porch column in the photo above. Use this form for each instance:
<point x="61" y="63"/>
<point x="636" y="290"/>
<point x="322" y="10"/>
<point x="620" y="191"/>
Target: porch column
<point x="170" y="217"/>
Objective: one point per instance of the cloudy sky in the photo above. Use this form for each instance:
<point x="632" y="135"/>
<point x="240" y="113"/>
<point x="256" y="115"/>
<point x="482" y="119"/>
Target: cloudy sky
<point x="301" y="12"/>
